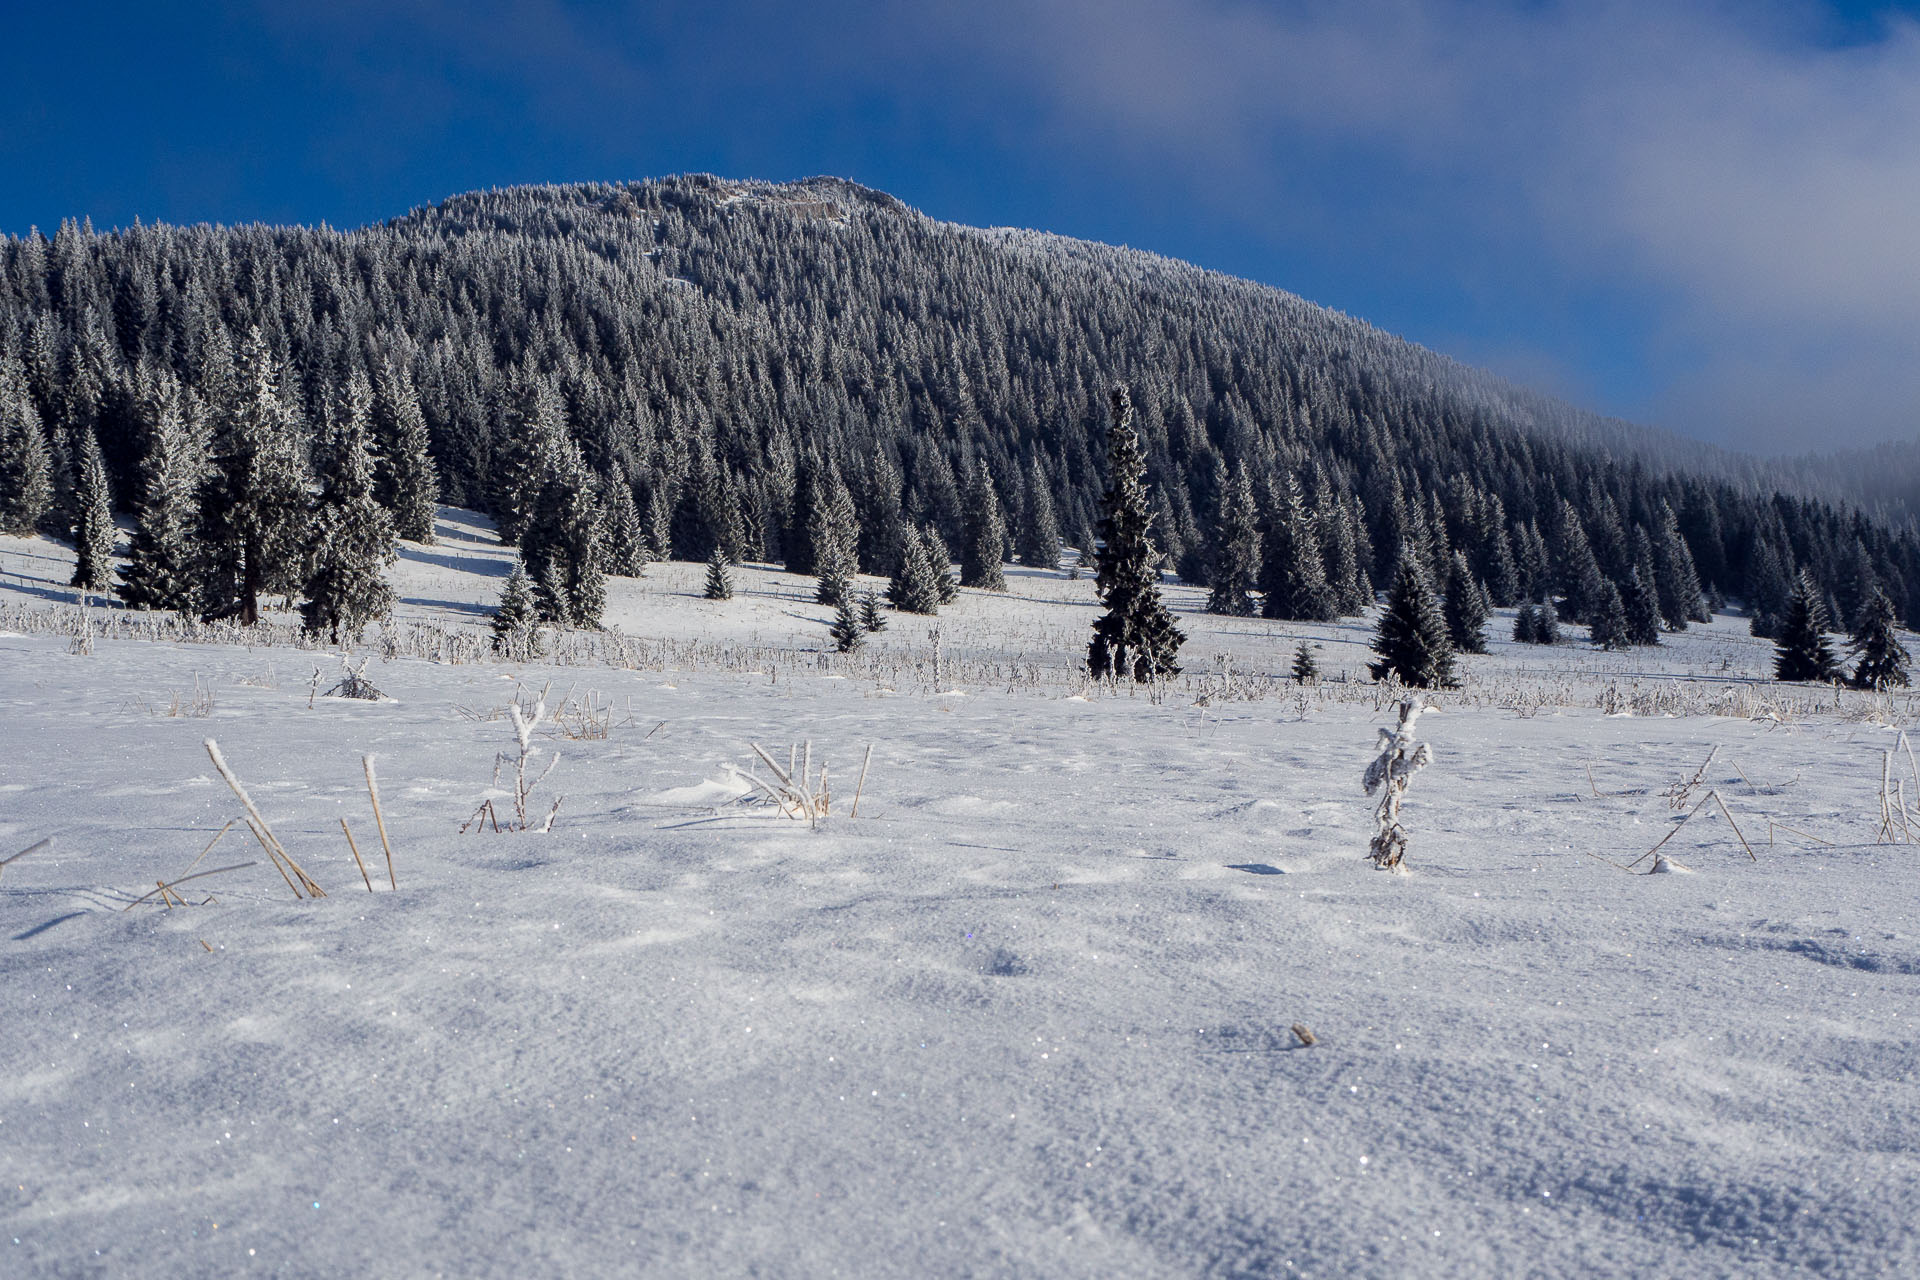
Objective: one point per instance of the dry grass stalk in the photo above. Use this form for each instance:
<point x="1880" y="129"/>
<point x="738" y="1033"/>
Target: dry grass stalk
<point x="1306" y="1038"/>
<point x="379" y="820"/>
<point x="1714" y="797"/>
<point x="273" y="856"/>
<point x="166" y="888"/>
<point x="1794" y="831"/>
<point x="32" y="848"/>
<point x="264" y="832"/>
<point x="1680" y="793"/>
<point x="862" y="784"/>
<point x="356" y="854"/>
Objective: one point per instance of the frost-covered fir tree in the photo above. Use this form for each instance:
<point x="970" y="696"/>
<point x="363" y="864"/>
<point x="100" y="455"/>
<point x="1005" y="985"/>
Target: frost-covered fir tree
<point x="1293" y="575"/>
<point x="913" y="588"/>
<point x="1236" y="549"/>
<point x="1642" y="600"/>
<point x="1306" y="668"/>
<point x="529" y="422"/>
<point x="562" y="540"/>
<point x="1526" y="624"/>
<point x="984" y="544"/>
<point x="1466" y="608"/>
<point x="93" y="529"/>
<point x="1040" y="530"/>
<point x="1802" y="651"/>
<point x="1606" y="616"/>
<point x="349" y="535"/>
<point x="1412" y="638"/>
<point x="626" y="543"/>
<point x="404" y="479"/>
<point x="944" y="584"/>
<point x="846" y="630"/>
<point x="1880" y="660"/>
<point x="26" y="467"/>
<point x="253" y="499"/>
<point x="834" y="531"/>
<point x="871" y="618"/>
<point x="719" y="580"/>
<point x="1136" y="637"/>
<point x="1674" y="576"/>
<point x="516" y="621"/>
<point x="160" y="556"/>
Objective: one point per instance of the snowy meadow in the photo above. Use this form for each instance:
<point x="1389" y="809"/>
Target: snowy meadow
<point x="1030" y="1011"/>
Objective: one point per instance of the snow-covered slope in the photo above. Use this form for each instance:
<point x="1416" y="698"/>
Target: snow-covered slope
<point x="1027" y="1014"/>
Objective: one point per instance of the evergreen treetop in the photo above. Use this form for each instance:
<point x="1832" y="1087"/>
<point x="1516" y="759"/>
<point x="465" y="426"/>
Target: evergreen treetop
<point x="1136" y="637"/>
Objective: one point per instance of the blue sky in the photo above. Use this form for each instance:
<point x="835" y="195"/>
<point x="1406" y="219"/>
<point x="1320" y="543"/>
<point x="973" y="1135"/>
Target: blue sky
<point x="1697" y="213"/>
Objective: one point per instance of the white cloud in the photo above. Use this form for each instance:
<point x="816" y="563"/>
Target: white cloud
<point x="1760" y="183"/>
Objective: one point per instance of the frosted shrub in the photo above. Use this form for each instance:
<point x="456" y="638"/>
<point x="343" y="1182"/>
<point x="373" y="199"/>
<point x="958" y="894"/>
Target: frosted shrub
<point x="1400" y="758"/>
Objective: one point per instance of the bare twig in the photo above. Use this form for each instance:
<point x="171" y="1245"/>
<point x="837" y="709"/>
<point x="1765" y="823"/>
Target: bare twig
<point x="1728" y="815"/>
<point x="167" y="887"/>
<point x="862" y="784"/>
<point x="32" y="848"/>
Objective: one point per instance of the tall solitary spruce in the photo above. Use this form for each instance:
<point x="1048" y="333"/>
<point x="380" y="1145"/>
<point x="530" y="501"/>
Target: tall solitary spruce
<point x="1136" y="636"/>
<point x="1880" y="658"/>
<point x="719" y="580"/>
<point x="1412" y="638"/>
<point x="93" y="529"/>
<point x="516" y="622"/>
<point x="1803" y="652"/>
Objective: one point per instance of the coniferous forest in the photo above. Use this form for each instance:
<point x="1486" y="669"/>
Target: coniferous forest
<point x="815" y="375"/>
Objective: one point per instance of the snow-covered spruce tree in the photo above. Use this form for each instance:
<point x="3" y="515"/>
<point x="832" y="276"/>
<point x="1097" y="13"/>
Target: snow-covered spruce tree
<point x="1466" y="608"/>
<point x="1412" y="638"/>
<point x="93" y="529"/>
<point x="1526" y="624"/>
<point x="404" y="479"/>
<point x="562" y="541"/>
<point x="984" y="544"/>
<point x="349" y="534"/>
<point x="1400" y="758"/>
<point x="1236" y="549"/>
<point x="1293" y="575"/>
<point x="516" y="621"/>
<point x="1040" y="530"/>
<point x="253" y="499"/>
<point x="871" y="618"/>
<point x="846" y="630"/>
<point x="940" y="564"/>
<point x="160" y="556"/>
<point x="1135" y="638"/>
<point x="1306" y="668"/>
<point x="1644" y="619"/>
<point x="1547" y="624"/>
<point x="913" y="588"/>
<point x="1674" y="576"/>
<point x="1607" y="616"/>
<point x="529" y="420"/>
<point x="719" y="580"/>
<point x="626" y="543"/>
<point x="834" y="530"/>
<point x="1802" y="651"/>
<point x="1880" y="660"/>
<point x="26" y="468"/>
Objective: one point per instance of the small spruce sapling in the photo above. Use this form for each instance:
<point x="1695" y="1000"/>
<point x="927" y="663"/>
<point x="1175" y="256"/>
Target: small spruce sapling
<point x="1400" y="758"/>
<point x="846" y="631"/>
<point x="516" y="622"/>
<point x="871" y="619"/>
<point x="719" y="580"/>
<point x="1803" y="652"/>
<point x="1306" y="668"/>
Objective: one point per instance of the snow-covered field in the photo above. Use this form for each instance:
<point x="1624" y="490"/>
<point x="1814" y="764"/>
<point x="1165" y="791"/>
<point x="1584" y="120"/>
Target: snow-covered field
<point x="1028" y="1014"/>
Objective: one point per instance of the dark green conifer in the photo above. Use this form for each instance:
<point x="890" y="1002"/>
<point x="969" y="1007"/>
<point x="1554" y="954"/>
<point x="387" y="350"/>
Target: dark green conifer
<point x="1880" y="660"/>
<point x="516" y="621"/>
<point x="1526" y="624"/>
<point x="253" y="500"/>
<point x="1412" y="638"/>
<point x="913" y="588"/>
<point x="349" y="534"/>
<point x="160" y="557"/>
<point x="1040" y="530"/>
<point x="846" y="630"/>
<point x="626" y="542"/>
<point x="404" y="479"/>
<point x="719" y="581"/>
<point x="871" y="619"/>
<point x="1306" y="669"/>
<point x="1293" y="574"/>
<point x="1802" y="651"/>
<point x="562" y="542"/>
<point x="1643" y="605"/>
<point x="940" y="564"/>
<point x="1466" y="608"/>
<point x="26" y="467"/>
<point x="93" y="529"/>
<point x="1136" y="637"/>
<point x="1606" y="615"/>
<point x="1235" y="556"/>
<point x="984" y="543"/>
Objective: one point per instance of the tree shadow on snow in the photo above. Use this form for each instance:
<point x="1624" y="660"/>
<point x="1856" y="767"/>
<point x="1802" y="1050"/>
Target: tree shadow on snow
<point x="1255" y="868"/>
